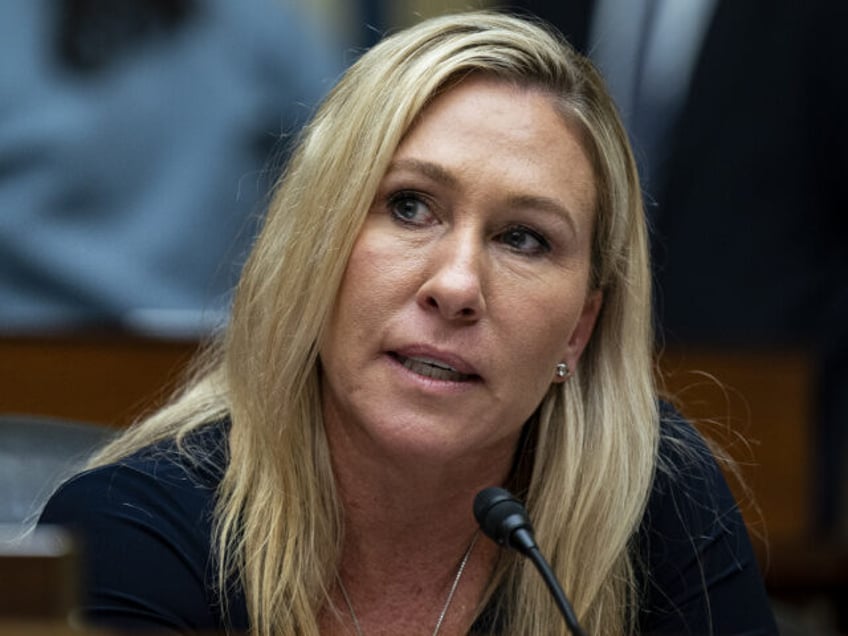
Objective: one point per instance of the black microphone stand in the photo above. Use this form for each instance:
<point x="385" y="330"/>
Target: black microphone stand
<point x="505" y="520"/>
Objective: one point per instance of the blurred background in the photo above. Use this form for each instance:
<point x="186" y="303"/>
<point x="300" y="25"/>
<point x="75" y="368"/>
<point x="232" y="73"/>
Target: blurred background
<point x="139" y="140"/>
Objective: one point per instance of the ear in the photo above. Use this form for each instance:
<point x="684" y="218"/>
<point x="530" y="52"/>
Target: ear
<point x="582" y="331"/>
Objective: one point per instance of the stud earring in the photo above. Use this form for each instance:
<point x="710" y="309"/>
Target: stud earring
<point x="561" y="370"/>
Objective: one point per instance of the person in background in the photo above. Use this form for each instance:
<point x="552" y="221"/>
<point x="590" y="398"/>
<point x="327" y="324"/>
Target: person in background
<point x="137" y="147"/>
<point x="451" y="291"/>
<point x="736" y="113"/>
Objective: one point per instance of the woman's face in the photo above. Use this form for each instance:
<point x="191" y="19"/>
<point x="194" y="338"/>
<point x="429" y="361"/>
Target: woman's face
<point x="469" y="281"/>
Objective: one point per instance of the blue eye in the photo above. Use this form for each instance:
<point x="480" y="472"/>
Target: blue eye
<point x="409" y="208"/>
<point x="525" y="240"/>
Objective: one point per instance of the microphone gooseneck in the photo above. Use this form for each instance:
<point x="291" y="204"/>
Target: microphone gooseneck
<point x="505" y="521"/>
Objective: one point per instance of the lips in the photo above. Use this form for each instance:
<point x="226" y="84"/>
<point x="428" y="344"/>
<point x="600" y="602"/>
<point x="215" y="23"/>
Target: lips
<point x="430" y="368"/>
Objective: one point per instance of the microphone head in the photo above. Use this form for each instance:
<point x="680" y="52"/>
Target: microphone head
<point x="503" y="519"/>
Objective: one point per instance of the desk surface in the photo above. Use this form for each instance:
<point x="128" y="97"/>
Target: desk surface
<point x="104" y="378"/>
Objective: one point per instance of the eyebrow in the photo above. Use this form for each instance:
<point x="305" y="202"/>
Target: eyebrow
<point x="432" y="170"/>
<point x="439" y="174"/>
<point x="547" y="204"/>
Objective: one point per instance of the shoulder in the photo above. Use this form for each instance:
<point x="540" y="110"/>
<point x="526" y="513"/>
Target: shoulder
<point x="146" y="525"/>
<point x="690" y="500"/>
<point x="687" y="473"/>
<point x="698" y="570"/>
<point x="147" y="483"/>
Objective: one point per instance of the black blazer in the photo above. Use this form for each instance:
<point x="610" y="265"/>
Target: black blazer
<point x="750" y="226"/>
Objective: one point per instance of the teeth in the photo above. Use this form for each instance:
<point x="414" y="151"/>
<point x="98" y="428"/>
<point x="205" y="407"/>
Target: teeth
<point x="433" y="369"/>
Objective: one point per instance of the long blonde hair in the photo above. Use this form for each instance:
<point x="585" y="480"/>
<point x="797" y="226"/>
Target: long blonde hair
<point x="593" y="440"/>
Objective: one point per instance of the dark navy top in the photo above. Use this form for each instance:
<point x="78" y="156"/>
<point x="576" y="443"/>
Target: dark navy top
<point x="146" y="527"/>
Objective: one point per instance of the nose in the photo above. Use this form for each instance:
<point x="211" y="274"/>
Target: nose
<point x="454" y="284"/>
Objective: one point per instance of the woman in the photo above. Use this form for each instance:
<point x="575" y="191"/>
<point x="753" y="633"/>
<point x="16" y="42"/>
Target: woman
<point x="451" y="291"/>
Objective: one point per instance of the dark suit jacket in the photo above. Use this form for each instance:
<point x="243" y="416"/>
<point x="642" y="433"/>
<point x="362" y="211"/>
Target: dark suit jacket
<point x="751" y="219"/>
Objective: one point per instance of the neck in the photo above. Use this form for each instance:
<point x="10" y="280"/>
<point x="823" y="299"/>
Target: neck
<point x="408" y="522"/>
<point x="404" y="514"/>
<point x="420" y="504"/>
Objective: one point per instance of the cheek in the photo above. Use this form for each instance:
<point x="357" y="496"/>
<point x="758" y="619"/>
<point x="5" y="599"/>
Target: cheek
<point x="540" y="344"/>
<point x="541" y="327"/>
<point x="373" y="282"/>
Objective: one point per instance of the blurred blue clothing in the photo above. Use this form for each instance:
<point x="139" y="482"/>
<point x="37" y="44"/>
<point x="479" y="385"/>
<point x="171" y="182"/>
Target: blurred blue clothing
<point x="130" y="188"/>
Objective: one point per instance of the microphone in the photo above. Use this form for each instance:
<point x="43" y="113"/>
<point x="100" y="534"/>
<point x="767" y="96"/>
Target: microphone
<point x="505" y="521"/>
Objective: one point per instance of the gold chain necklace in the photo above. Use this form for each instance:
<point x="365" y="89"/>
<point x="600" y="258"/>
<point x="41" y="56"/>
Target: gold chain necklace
<point x="444" y="612"/>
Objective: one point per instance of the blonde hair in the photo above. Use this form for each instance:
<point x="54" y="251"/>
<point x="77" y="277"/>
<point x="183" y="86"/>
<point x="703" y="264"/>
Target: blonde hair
<point x="592" y="442"/>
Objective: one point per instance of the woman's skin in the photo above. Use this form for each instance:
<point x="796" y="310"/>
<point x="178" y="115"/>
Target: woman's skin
<point x="468" y="283"/>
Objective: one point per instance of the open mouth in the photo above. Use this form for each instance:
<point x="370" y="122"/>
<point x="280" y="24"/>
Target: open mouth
<point x="433" y="369"/>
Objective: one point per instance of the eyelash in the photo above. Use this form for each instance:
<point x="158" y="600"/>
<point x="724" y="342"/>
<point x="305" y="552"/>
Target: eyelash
<point x="543" y="245"/>
<point x="406" y="196"/>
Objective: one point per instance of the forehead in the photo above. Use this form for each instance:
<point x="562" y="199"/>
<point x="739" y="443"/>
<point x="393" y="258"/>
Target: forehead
<point x="518" y="137"/>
